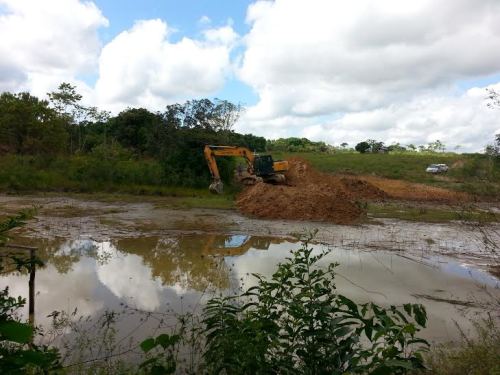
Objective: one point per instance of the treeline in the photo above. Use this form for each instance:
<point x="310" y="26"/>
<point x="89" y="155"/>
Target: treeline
<point x="60" y="139"/>
<point x="374" y="146"/>
<point x="294" y="144"/>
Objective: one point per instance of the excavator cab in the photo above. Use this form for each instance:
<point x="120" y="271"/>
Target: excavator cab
<point x="263" y="165"/>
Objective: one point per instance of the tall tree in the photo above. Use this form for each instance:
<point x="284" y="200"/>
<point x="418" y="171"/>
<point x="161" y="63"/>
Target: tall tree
<point x="493" y="98"/>
<point x="436" y="146"/>
<point x="29" y="126"/>
<point x="67" y="102"/>
<point x="493" y="102"/>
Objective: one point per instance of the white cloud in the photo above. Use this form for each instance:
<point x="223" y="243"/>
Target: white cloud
<point x="141" y="67"/>
<point x="127" y="277"/>
<point x="46" y="42"/>
<point x="204" y="20"/>
<point x="371" y="63"/>
<point x="223" y="36"/>
<point x="75" y="289"/>
<point x="462" y="120"/>
<point x="330" y="70"/>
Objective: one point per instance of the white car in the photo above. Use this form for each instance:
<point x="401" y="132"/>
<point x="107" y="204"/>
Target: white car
<point x="437" y="168"/>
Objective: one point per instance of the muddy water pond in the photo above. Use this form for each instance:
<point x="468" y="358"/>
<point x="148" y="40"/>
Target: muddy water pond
<point x="148" y="263"/>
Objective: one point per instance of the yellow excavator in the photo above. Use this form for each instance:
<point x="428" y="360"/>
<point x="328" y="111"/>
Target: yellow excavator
<point x="259" y="167"/>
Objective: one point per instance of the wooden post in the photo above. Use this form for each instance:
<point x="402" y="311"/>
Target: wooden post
<point x="31" y="287"/>
<point x="31" y="282"/>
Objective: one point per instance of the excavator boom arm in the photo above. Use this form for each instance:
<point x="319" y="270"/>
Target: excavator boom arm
<point x="212" y="151"/>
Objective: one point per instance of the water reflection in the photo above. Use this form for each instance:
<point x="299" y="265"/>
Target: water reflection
<point x="178" y="272"/>
<point x="143" y="272"/>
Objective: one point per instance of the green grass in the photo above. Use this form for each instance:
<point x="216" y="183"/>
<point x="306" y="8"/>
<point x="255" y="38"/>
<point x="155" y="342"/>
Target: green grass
<point x="409" y="167"/>
<point x="472" y="173"/>
<point x="477" y="356"/>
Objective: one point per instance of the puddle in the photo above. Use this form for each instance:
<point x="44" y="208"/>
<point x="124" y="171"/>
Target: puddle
<point x="143" y="260"/>
<point x="180" y="272"/>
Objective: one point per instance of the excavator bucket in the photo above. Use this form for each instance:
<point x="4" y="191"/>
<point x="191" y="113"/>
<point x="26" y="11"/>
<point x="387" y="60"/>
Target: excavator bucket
<point x="216" y="187"/>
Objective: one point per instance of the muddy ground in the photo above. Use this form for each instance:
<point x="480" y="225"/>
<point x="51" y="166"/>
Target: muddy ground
<point x="69" y="217"/>
<point x="340" y="199"/>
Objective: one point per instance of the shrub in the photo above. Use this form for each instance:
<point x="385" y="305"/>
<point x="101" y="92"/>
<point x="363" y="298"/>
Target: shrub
<point x="297" y="323"/>
<point x="474" y="357"/>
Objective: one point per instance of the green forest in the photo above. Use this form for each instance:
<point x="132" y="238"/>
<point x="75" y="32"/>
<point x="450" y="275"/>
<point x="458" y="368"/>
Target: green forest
<point x="61" y="145"/>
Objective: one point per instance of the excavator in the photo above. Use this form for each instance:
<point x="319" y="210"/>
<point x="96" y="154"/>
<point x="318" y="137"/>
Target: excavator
<point x="260" y="168"/>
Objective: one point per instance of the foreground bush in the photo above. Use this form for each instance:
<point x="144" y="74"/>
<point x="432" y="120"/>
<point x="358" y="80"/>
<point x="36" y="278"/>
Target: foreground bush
<point x="296" y="323"/>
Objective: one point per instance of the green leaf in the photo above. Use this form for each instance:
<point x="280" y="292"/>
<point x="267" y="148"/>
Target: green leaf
<point x="163" y="340"/>
<point x="407" y="307"/>
<point x="409" y="328"/>
<point x="166" y="340"/>
<point x="369" y="331"/>
<point x="399" y="363"/>
<point x="420" y="315"/>
<point x="16" y="331"/>
<point x="148" y="344"/>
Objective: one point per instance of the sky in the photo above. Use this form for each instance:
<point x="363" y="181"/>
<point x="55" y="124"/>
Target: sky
<point x="407" y="71"/>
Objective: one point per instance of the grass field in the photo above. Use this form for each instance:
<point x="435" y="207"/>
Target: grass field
<point x="472" y="173"/>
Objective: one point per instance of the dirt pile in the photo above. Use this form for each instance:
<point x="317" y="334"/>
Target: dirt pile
<point x="309" y="195"/>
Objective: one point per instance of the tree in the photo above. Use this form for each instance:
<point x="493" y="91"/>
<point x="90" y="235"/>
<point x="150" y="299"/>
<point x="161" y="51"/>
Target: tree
<point x="436" y="146"/>
<point x="225" y="115"/>
<point x="66" y="101"/>
<point x="362" y="147"/>
<point x="375" y="146"/>
<point x="493" y="98"/>
<point x="344" y="144"/>
<point x="494" y="149"/>
<point x="138" y="129"/>
<point x="494" y="102"/>
<point x="29" y="126"/>
<point x="396" y="147"/>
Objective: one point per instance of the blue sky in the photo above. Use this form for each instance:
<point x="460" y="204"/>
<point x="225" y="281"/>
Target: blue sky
<point x="186" y="17"/>
<point x="183" y="15"/>
<point x="392" y="70"/>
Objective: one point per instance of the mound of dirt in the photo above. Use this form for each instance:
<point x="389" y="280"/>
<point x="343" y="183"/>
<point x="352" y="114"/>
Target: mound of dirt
<point x="312" y="195"/>
<point x="309" y="195"/>
<point x="298" y="203"/>
<point x="361" y="189"/>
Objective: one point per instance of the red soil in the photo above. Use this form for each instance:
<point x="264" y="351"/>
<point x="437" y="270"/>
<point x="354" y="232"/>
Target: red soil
<point x="312" y="195"/>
